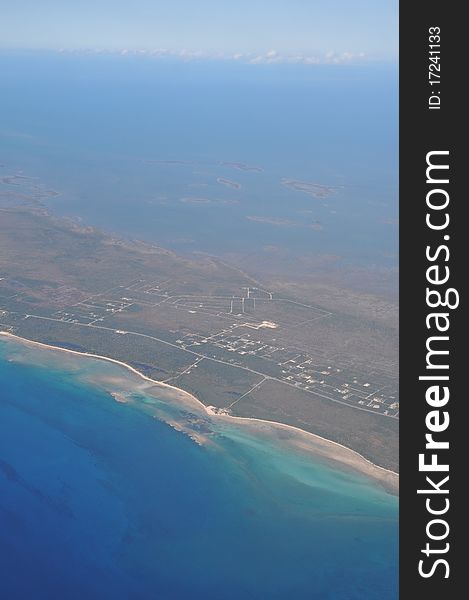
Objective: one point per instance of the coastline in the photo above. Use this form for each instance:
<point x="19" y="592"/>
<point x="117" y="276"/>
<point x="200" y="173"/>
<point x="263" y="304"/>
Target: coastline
<point x="301" y="439"/>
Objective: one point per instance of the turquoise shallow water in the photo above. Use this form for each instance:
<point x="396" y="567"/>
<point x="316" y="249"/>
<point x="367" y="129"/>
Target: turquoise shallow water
<point x="98" y="499"/>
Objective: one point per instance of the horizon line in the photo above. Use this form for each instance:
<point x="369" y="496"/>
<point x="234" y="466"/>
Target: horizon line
<point x="270" y="57"/>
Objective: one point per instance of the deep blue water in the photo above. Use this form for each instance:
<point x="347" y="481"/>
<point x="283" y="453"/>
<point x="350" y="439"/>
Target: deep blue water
<point x="100" y="500"/>
<point x="85" y="125"/>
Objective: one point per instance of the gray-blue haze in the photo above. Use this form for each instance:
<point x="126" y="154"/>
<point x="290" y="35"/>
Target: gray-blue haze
<point x="86" y="125"/>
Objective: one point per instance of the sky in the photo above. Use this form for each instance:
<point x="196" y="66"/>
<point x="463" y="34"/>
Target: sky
<point x="262" y="30"/>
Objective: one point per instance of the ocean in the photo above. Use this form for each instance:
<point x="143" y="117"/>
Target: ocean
<point x="147" y="148"/>
<point x="101" y="498"/>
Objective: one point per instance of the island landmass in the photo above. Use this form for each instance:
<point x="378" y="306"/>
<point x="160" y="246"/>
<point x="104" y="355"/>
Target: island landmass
<point x="203" y="326"/>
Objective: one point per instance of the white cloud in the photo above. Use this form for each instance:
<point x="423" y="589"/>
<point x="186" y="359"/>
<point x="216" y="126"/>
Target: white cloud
<point x="270" y="57"/>
<point x="328" y="58"/>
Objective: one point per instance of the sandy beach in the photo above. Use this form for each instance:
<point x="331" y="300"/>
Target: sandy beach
<point x="295" y="437"/>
